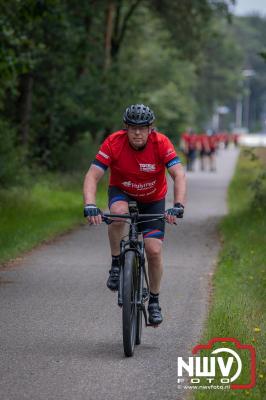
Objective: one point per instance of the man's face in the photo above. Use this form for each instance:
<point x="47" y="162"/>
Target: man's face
<point x="138" y="135"/>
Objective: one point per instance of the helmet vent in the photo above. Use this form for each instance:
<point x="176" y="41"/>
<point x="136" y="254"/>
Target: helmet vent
<point x="138" y="114"/>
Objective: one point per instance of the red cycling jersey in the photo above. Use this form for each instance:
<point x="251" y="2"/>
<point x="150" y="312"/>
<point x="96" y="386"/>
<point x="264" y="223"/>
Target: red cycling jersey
<point x="139" y="173"/>
<point x="190" y="141"/>
<point x="203" y="142"/>
<point x="213" y="142"/>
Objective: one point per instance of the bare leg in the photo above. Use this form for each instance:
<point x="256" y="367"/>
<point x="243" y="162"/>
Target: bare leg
<point x="202" y="163"/>
<point x="153" y="249"/>
<point x="212" y="163"/>
<point x="116" y="229"/>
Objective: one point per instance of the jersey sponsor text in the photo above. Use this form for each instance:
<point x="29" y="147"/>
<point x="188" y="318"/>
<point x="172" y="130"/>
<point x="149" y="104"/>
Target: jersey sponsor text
<point x="147" y="167"/>
<point x="139" y="186"/>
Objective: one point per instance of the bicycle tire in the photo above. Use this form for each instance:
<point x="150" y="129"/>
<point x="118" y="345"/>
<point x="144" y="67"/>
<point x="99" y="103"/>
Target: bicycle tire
<point x="138" y="327"/>
<point x="129" y="311"/>
<point x="139" y="310"/>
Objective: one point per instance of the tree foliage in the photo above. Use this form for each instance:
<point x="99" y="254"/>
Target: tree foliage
<point x="250" y="31"/>
<point x="219" y="72"/>
<point x="68" y="69"/>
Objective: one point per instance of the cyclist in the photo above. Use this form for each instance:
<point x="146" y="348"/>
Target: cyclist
<point x="137" y="157"/>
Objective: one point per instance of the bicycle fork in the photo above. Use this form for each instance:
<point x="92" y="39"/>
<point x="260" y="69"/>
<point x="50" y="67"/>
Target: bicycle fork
<point x="142" y="277"/>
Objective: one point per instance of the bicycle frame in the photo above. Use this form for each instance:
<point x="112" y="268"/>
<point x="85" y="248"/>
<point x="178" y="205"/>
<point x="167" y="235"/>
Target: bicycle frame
<point x="133" y="244"/>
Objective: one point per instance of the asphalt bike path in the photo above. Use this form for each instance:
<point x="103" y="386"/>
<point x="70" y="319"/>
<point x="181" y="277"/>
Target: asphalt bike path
<point x="60" y="327"/>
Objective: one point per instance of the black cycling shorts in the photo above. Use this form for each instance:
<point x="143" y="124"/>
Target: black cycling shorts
<point x="151" y="229"/>
<point x="212" y="151"/>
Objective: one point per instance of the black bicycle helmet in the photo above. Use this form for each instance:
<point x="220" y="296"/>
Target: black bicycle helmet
<point x="138" y="114"/>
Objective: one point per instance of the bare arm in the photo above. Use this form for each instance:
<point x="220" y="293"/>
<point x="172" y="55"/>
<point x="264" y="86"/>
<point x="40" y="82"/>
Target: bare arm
<point x="91" y="180"/>
<point x="179" y="178"/>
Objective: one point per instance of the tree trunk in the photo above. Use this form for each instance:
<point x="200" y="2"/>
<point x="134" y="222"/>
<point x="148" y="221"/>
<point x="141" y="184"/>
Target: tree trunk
<point x="109" y="33"/>
<point x="121" y="25"/>
<point x="25" y="106"/>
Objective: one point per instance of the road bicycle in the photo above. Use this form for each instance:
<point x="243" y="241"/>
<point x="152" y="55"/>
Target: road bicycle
<point x="133" y="291"/>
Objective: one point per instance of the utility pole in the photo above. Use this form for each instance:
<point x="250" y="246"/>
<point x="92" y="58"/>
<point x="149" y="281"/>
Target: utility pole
<point x="239" y="112"/>
<point x="247" y="74"/>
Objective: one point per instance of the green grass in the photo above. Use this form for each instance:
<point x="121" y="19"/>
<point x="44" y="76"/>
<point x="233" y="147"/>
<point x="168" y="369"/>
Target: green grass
<point x="239" y="284"/>
<point x="51" y="205"/>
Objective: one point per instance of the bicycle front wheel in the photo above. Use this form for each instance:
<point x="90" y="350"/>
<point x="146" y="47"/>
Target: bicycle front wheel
<point x="129" y="303"/>
<point x="139" y="309"/>
<point x="139" y="327"/>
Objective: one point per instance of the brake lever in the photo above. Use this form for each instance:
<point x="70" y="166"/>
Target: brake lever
<point x="107" y="220"/>
<point x="174" y="223"/>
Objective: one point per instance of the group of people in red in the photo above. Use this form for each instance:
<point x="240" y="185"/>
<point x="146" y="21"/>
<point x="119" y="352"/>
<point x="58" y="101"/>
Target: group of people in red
<point x="204" y="145"/>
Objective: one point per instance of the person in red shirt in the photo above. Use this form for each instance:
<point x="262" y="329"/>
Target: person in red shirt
<point x="204" y="149"/>
<point x="226" y="140"/>
<point x="189" y="146"/>
<point x="235" y="139"/>
<point x="213" y="143"/>
<point x="137" y="157"/>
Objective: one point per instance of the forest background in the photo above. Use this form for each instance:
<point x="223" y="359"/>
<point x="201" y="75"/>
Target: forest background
<point x="69" y="68"/>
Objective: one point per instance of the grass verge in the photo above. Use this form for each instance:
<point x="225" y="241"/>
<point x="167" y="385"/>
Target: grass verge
<point x="239" y="295"/>
<point x="49" y="206"/>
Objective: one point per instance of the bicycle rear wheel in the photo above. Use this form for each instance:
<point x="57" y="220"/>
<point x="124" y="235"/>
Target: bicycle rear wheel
<point x="129" y="312"/>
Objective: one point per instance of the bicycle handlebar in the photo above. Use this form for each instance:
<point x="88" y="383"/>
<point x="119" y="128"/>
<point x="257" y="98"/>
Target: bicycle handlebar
<point x="128" y="216"/>
<point x="107" y="218"/>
